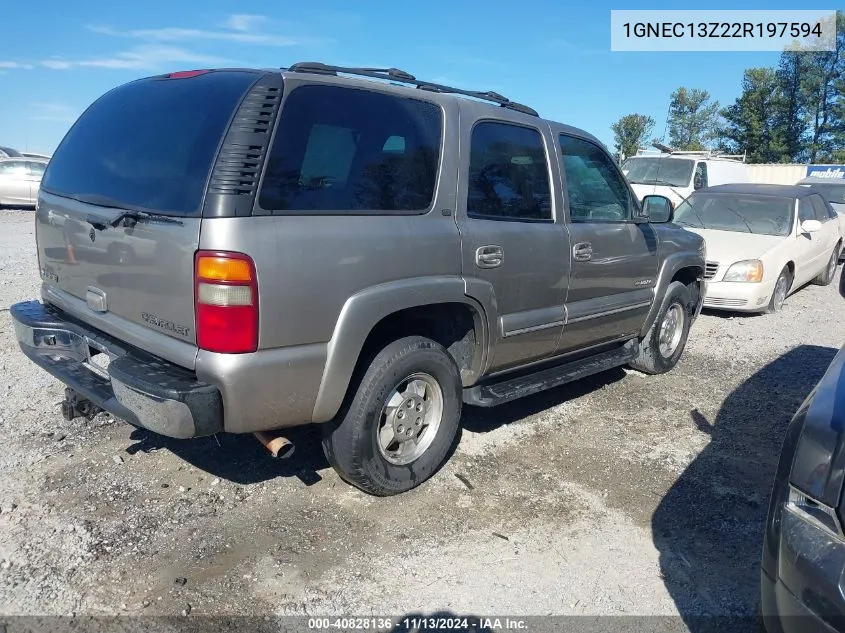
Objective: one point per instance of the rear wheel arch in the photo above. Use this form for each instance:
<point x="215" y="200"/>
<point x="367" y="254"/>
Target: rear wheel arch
<point x="456" y="326"/>
<point x="434" y="308"/>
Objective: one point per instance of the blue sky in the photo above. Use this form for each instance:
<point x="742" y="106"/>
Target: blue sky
<point x="552" y="55"/>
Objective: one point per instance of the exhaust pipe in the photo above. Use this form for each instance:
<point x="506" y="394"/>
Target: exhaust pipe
<point x="279" y="447"/>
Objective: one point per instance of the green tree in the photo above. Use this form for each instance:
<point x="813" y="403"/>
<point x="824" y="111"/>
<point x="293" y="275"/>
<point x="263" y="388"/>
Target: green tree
<point x="819" y="113"/>
<point x="823" y="99"/>
<point x="837" y="150"/>
<point x="751" y="124"/>
<point x="630" y="132"/>
<point x="693" y="119"/>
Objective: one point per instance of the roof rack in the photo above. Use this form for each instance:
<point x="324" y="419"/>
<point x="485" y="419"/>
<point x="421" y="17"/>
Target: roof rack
<point x="394" y="74"/>
<point x="663" y="150"/>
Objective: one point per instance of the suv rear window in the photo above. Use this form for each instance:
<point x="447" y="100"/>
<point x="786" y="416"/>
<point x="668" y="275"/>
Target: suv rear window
<point x="149" y="144"/>
<point x="345" y="150"/>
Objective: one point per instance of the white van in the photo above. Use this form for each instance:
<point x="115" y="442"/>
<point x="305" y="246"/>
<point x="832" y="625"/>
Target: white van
<point x="677" y="174"/>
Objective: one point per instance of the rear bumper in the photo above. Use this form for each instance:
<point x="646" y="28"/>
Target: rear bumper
<point x="142" y="389"/>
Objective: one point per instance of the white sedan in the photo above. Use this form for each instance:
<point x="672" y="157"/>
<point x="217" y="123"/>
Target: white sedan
<point x="763" y="242"/>
<point x="834" y="192"/>
<point x="20" y="179"/>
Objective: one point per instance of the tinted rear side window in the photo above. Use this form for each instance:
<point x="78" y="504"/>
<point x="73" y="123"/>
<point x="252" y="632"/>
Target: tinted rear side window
<point x="819" y="206"/>
<point x="352" y="151"/>
<point x="149" y="144"/>
<point x="832" y="192"/>
<point x="508" y="173"/>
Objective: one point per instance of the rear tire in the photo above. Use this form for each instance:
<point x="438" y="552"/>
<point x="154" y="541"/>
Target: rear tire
<point x="664" y="343"/>
<point x="826" y="276"/>
<point x="779" y="292"/>
<point x="410" y="391"/>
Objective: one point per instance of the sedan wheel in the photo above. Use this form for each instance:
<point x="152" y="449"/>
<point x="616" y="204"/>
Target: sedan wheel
<point x="780" y="291"/>
<point x="826" y="276"/>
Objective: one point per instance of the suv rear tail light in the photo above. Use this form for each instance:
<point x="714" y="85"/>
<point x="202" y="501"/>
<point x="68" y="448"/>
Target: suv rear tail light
<point x="226" y="299"/>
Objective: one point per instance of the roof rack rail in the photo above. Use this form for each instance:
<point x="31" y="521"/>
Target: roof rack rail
<point x="663" y="150"/>
<point x="394" y="74"/>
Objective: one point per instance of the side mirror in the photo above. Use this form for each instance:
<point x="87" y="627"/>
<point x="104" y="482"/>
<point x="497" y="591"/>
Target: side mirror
<point x="658" y="209"/>
<point x="810" y="226"/>
<point x="698" y="183"/>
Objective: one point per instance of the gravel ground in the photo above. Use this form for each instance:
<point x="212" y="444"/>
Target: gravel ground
<point x="621" y="494"/>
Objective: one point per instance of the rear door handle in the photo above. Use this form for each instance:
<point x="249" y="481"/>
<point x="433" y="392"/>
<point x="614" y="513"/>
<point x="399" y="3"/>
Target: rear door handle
<point x="582" y="252"/>
<point x="489" y="256"/>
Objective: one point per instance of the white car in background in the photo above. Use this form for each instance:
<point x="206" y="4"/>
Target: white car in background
<point x="832" y="190"/>
<point x="20" y="179"/>
<point x="763" y="242"/>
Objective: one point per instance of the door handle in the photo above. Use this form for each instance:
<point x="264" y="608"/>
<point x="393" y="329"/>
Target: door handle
<point x="582" y="252"/>
<point x="489" y="256"/>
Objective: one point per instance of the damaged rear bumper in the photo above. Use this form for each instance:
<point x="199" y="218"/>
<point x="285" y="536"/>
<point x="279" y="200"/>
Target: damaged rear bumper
<point x="142" y="389"/>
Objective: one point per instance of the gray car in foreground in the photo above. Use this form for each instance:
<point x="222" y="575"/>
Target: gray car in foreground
<point x="803" y="567"/>
<point x="321" y="245"/>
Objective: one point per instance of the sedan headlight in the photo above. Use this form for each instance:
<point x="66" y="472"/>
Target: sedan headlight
<point x="750" y="270"/>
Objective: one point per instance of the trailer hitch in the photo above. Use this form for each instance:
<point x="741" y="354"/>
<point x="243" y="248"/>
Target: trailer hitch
<point x="76" y="406"/>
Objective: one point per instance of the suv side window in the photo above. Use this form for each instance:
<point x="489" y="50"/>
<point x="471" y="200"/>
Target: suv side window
<point x="805" y="210"/>
<point x="508" y="173"/>
<point x="822" y="213"/>
<point x="700" y="179"/>
<point x="345" y="150"/>
<point x="595" y="188"/>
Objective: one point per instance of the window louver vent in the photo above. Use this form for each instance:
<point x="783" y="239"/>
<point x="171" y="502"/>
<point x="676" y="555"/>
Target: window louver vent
<point x="236" y="170"/>
<point x="256" y="112"/>
<point x="238" y="166"/>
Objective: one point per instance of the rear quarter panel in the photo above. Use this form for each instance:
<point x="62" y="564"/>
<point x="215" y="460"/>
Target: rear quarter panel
<point x="309" y="266"/>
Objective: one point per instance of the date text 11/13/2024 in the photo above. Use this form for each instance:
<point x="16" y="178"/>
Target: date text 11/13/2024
<point x="419" y="623"/>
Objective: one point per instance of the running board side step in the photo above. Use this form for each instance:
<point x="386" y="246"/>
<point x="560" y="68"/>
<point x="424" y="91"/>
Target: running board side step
<point x="525" y="385"/>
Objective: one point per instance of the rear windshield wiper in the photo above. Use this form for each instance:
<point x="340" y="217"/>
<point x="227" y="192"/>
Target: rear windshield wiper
<point x="130" y="219"/>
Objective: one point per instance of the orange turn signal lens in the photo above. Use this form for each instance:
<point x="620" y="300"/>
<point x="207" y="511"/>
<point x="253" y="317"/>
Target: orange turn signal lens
<point x="223" y="269"/>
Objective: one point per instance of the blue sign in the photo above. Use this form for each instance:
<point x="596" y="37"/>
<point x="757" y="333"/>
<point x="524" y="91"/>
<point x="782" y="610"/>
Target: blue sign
<point x="834" y="172"/>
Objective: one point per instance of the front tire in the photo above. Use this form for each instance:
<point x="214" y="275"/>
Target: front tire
<point x="780" y="291"/>
<point x="664" y="343"/>
<point x="826" y="276"/>
<point x="402" y="421"/>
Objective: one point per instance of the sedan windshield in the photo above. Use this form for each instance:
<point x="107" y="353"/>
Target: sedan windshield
<point x="675" y="172"/>
<point x="762" y="215"/>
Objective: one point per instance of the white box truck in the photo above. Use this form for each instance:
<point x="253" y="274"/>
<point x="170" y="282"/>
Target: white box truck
<point x="676" y="174"/>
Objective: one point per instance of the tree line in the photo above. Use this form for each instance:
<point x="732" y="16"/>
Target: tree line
<point x="792" y="113"/>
